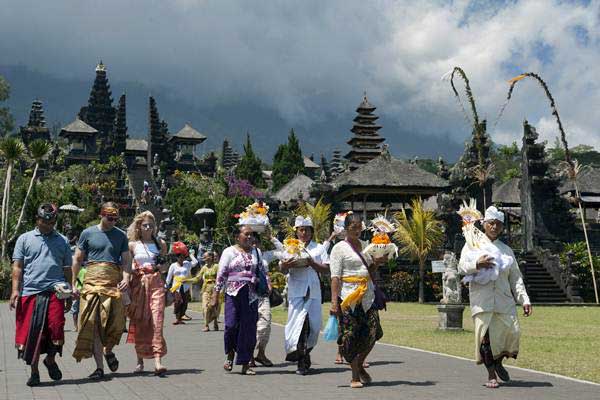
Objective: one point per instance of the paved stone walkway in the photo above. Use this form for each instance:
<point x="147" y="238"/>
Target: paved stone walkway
<point x="195" y="372"/>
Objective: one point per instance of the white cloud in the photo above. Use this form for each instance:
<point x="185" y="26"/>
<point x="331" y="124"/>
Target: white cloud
<point x="312" y="58"/>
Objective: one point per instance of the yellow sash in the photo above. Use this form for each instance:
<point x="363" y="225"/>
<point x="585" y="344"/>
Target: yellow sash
<point x="180" y="280"/>
<point x="355" y="297"/>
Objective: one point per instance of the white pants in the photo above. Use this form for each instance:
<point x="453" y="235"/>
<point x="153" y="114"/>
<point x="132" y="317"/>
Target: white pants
<point x="263" y="326"/>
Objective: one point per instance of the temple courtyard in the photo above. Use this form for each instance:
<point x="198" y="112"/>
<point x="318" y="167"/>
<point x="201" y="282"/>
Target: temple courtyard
<point x="194" y="360"/>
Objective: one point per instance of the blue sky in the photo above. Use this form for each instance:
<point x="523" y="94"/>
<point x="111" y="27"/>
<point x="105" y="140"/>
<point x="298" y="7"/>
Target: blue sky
<point x="312" y="59"/>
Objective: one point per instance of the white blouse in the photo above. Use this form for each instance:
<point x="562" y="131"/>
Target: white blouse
<point x="302" y="279"/>
<point x="345" y="262"/>
<point x="184" y="270"/>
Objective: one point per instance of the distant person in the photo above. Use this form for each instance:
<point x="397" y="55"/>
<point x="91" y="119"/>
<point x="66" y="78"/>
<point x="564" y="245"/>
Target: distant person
<point x="108" y="268"/>
<point x="208" y="277"/>
<point x="40" y="271"/>
<point x="179" y="272"/>
<point x="493" y="305"/>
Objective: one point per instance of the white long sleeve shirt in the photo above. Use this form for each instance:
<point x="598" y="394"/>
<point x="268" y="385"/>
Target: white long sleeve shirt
<point x="501" y="295"/>
<point x="184" y="270"/>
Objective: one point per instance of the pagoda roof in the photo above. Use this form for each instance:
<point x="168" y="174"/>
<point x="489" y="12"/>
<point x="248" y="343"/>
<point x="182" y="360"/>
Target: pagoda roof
<point x="385" y="171"/>
<point x="78" y="126"/>
<point x="136" y="145"/>
<point x="369" y="117"/>
<point x="299" y="184"/>
<point x="507" y="193"/>
<point x="365" y="105"/>
<point x="588" y="181"/>
<point x="189" y="134"/>
<point x="308" y="163"/>
<point x="365" y="139"/>
<point x="371" y="127"/>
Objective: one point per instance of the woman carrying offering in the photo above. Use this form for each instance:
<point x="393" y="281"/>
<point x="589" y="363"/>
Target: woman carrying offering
<point x="238" y="268"/>
<point x="351" y="282"/>
<point x="147" y="309"/>
<point x="208" y="276"/>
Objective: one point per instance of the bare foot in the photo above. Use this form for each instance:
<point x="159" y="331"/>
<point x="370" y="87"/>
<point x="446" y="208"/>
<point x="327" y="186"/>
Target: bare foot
<point x="205" y="329"/>
<point x="356" y="384"/>
<point x="492" y="384"/>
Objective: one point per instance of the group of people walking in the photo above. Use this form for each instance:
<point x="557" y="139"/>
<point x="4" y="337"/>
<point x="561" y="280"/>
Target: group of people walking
<point x="124" y="278"/>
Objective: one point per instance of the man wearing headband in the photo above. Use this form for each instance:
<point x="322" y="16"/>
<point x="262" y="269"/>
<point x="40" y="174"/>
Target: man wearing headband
<point x="493" y="304"/>
<point x="40" y="270"/>
<point x="102" y="316"/>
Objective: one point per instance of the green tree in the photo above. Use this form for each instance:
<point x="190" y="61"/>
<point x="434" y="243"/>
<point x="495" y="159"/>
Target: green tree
<point x="12" y="150"/>
<point x="288" y="162"/>
<point x="6" y="120"/>
<point x="250" y="166"/>
<point x="419" y="236"/>
<point x="38" y="149"/>
<point x="507" y="161"/>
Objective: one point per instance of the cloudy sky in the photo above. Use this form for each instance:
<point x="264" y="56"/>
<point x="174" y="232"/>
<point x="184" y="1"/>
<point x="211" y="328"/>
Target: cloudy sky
<point x="312" y="59"/>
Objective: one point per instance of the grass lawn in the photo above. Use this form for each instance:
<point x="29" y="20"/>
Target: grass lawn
<point x="561" y="340"/>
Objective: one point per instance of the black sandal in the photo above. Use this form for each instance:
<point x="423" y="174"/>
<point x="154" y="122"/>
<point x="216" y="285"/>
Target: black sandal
<point x="53" y="370"/>
<point x="111" y="360"/>
<point x="34" y="379"/>
<point x="97" y="374"/>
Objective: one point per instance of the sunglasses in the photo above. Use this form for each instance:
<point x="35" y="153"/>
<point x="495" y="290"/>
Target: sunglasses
<point x="148" y="226"/>
<point x="111" y="219"/>
<point x="49" y="221"/>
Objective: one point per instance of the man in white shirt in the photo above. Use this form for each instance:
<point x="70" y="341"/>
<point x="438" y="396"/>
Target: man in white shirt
<point x="493" y="305"/>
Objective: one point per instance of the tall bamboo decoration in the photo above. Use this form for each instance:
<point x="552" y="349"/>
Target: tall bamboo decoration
<point x="571" y="167"/>
<point x="481" y="172"/>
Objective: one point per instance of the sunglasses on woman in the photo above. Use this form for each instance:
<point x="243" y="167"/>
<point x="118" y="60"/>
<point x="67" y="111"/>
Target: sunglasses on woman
<point x="147" y="226"/>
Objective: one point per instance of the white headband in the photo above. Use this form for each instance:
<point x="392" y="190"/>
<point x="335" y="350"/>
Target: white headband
<point x="301" y="221"/>
<point x="493" y="213"/>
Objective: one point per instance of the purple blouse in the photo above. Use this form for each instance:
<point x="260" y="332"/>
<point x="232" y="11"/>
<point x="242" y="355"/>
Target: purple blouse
<point x="238" y="269"/>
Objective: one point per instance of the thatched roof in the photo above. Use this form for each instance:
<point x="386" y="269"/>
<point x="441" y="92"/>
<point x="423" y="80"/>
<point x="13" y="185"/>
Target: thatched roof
<point x="189" y="133"/>
<point x="300" y="184"/>
<point x="78" y="126"/>
<point x="507" y="193"/>
<point x="310" y="164"/>
<point x="588" y="182"/>
<point x="136" y="145"/>
<point x="389" y="172"/>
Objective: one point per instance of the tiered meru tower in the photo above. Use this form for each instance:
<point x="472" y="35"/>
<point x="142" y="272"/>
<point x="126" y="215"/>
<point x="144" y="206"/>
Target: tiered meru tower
<point x="36" y="127"/>
<point x="366" y="142"/>
<point x="100" y="113"/>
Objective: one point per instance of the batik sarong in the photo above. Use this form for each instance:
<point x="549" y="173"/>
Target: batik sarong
<point x="102" y="310"/>
<point x="147" y="314"/>
<point x="40" y="324"/>
<point x="359" y="330"/>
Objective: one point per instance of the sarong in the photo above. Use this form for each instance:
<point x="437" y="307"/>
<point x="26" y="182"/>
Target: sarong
<point x="147" y="314"/>
<point x="181" y="303"/>
<point x="101" y="309"/>
<point x="263" y="326"/>
<point x="210" y="313"/>
<point x="40" y="323"/>
<point x="240" y="325"/>
<point x="504" y="334"/>
<point x="301" y="310"/>
<point x="358" y="331"/>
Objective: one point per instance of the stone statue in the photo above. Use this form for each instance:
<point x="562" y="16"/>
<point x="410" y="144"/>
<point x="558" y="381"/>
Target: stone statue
<point x="451" y="280"/>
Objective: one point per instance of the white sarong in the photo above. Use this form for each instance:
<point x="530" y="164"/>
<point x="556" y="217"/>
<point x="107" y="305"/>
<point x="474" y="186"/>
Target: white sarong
<point x="298" y="310"/>
<point x="504" y="334"/>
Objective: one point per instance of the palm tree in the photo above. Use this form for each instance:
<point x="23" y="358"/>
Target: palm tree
<point x="12" y="150"/>
<point x="419" y="236"/>
<point x="38" y="149"/>
<point x="320" y="214"/>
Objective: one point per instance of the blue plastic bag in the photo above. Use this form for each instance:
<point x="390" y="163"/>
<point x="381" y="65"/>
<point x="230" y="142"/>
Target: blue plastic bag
<point x="330" y="333"/>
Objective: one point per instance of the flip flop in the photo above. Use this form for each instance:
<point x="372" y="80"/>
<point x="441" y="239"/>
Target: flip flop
<point x="160" y="372"/>
<point x="247" y="370"/>
<point x="264" y="361"/>
<point x="228" y="366"/>
<point x="356" y="384"/>
<point x="97" y="374"/>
